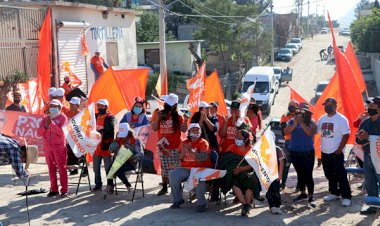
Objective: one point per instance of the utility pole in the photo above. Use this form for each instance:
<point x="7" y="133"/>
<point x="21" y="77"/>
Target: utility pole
<point x="162" y="41"/>
<point x="272" y="53"/>
<point x="308" y="17"/>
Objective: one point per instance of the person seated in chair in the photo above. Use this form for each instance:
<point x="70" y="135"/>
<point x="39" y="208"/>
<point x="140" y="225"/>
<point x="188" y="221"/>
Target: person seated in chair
<point x="194" y="152"/>
<point x="126" y="137"/>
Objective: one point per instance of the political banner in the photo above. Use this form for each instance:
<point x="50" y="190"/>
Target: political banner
<point x="202" y="174"/>
<point x="81" y="132"/>
<point x="196" y="87"/>
<point x="375" y="152"/>
<point x="263" y="158"/>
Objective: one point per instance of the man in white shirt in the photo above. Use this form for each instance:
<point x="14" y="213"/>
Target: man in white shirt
<point x="335" y="131"/>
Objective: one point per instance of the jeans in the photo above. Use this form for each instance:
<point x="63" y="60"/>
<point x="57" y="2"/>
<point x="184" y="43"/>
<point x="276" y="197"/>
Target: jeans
<point x="128" y="166"/>
<point x="179" y="175"/>
<point x="288" y="162"/>
<point x="273" y="194"/>
<point x="336" y="174"/>
<point x="97" y="163"/>
<point x="372" y="179"/>
<point x="303" y="162"/>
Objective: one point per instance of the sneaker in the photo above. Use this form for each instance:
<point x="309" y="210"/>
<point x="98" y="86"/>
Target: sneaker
<point x="330" y="198"/>
<point x="245" y="209"/>
<point x="346" y="202"/>
<point x="64" y="195"/>
<point x="201" y="209"/>
<point x="162" y="192"/>
<point x="312" y="202"/>
<point x="261" y="199"/>
<point x="176" y="205"/>
<point x="52" y="194"/>
<point x="300" y="198"/>
<point x="275" y="210"/>
<point x="367" y="210"/>
<point x="97" y="188"/>
<point x="129" y="189"/>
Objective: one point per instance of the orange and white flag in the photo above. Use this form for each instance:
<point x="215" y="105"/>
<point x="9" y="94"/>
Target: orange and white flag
<point x="162" y="86"/>
<point x="196" y="87"/>
<point x="244" y="103"/>
<point x="202" y="174"/>
<point x="263" y="159"/>
<point x="84" y="44"/>
<point x="81" y="132"/>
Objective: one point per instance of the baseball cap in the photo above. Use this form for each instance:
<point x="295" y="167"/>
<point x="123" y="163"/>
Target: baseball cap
<point x="330" y="100"/>
<point x="235" y="104"/>
<point x="214" y="104"/>
<point x="194" y="125"/>
<point x="124" y="128"/>
<point x="52" y="91"/>
<point x="304" y="106"/>
<point x="103" y="102"/>
<point x="204" y="104"/>
<point x="171" y="99"/>
<point x="55" y="102"/>
<point x="60" y="92"/>
<point x="75" y="100"/>
<point x="97" y="51"/>
<point x="374" y="100"/>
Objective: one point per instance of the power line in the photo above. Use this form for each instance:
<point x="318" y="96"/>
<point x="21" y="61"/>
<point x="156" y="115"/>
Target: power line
<point x="204" y="6"/>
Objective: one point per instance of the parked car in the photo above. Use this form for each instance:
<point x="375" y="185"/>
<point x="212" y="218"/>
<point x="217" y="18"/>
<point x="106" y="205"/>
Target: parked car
<point x="324" y="31"/>
<point x="297" y="41"/>
<point x="345" y="32"/>
<point x="277" y="72"/>
<point x="285" y="54"/>
<point x="319" y="89"/>
<point x="294" y="47"/>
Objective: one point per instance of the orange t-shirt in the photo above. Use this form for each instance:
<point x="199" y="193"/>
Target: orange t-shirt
<point x="70" y="114"/>
<point x="166" y="130"/>
<point x="286" y="118"/>
<point x="98" y="63"/>
<point x="231" y="133"/>
<point x="236" y="150"/>
<point x="100" y="125"/>
<point x="67" y="88"/>
<point x="197" y="146"/>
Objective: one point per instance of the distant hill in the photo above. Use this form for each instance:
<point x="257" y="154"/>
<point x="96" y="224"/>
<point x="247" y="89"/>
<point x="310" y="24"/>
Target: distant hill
<point x="347" y="19"/>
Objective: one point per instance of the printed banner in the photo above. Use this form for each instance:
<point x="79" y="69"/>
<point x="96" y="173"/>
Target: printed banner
<point x="202" y="174"/>
<point x="81" y="132"/>
<point x="20" y="126"/>
<point x="196" y="87"/>
<point x="375" y="152"/>
<point x="263" y="158"/>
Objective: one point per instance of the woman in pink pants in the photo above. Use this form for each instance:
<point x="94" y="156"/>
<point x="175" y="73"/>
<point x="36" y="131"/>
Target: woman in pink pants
<point x="55" y="147"/>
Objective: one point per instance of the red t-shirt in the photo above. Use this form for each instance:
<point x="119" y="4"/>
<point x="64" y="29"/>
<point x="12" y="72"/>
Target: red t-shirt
<point x="98" y="63"/>
<point x="231" y="133"/>
<point x="70" y="114"/>
<point x="197" y="146"/>
<point x="236" y="149"/>
<point x="166" y="130"/>
<point x="100" y="125"/>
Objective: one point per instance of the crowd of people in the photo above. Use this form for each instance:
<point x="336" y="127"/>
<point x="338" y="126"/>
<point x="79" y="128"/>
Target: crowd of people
<point x="208" y="135"/>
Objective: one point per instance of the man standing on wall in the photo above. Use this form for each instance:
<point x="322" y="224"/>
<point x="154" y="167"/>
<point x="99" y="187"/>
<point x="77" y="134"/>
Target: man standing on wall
<point x="98" y="65"/>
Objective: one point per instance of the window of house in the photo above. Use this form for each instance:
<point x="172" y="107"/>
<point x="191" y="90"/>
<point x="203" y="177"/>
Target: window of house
<point x="152" y="57"/>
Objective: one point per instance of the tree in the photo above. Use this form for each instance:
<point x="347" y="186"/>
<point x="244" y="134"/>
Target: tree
<point x="9" y="83"/>
<point x="109" y="3"/>
<point x="363" y="5"/>
<point x="376" y="4"/>
<point x="147" y="28"/>
<point x="365" y="32"/>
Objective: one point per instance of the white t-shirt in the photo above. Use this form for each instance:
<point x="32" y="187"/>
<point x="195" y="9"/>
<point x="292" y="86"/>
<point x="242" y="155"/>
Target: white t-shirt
<point x="332" y="129"/>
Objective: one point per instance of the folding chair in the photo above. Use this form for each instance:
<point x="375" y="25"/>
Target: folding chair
<point x="373" y="202"/>
<point x="81" y="166"/>
<point x="351" y="166"/>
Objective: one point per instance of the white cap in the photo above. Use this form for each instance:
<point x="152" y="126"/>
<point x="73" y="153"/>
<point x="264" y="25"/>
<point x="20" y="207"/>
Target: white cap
<point x="55" y="102"/>
<point x="204" y="104"/>
<point x="123" y="130"/>
<point x="171" y="99"/>
<point x="194" y="125"/>
<point x="60" y="92"/>
<point x="75" y="100"/>
<point x="97" y="51"/>
<point x="103" y="102"/>
<point x="52" y="91"/>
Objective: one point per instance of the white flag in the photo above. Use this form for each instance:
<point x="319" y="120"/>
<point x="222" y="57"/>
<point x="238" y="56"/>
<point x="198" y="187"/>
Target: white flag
<point x="202" y="174"/>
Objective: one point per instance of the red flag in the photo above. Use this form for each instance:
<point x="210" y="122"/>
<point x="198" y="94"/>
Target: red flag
<point x="296" y="96"/>
<point x="75" y="81"/>
<point x="196" y="87"/>
<point x="351" y="56"/>
<point x="43" y="61"/>
<point x="162" y="86"/>
<point x="84" y="44"/>
<point x="215" y="93"/>
<point x="332" y="30"/>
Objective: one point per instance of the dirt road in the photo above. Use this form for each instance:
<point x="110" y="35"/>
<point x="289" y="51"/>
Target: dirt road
<point x="91" y="209"/>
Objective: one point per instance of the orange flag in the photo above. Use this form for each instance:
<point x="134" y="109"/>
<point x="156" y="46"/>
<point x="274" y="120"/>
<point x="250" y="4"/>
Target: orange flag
<point x="196" y="87"/>
<point x="162" y="86"/>
<point x="84" y="44"/>
<point x="351" y="56"/>
<point x="43" y="61"/>
<point x="215" y="93"/>
<point x="296" y="96"/>
<point x="119" y="88"/>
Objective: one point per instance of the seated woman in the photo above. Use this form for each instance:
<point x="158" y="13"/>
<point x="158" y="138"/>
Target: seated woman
<point x="240" y="176"/>
<point x="125" y="137"/>
<point x="194" y="152"/>
<point x="137" y="116"/>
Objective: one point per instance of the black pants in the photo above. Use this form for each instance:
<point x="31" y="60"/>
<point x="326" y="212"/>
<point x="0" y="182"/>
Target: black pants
<point x="303" y="162"/>
<point x="336" y="174"/>
<point x="71" y="158"/>
<point x="288" y="162"/>
<point x="127" y="166"/>
<point x="75" y="93"/>
<point x="273" y="194"/>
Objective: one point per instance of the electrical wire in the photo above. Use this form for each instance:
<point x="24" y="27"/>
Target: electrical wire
<point x="212" y="10"/>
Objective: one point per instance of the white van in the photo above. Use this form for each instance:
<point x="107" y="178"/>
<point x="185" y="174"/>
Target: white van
<point x="266" y="86"/>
